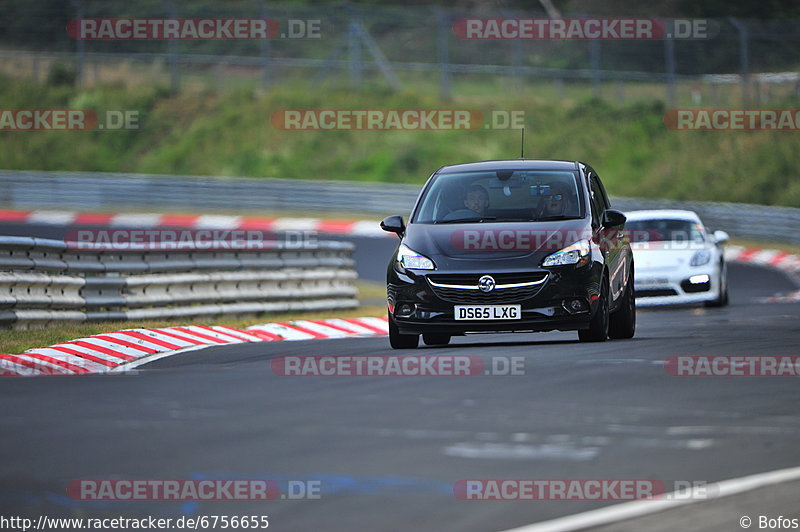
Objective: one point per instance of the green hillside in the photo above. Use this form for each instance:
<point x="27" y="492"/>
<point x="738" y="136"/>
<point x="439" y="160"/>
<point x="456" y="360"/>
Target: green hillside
<point x="230" y="133"/>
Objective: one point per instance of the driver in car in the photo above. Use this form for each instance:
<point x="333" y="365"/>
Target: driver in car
<point x="477" y="199"/>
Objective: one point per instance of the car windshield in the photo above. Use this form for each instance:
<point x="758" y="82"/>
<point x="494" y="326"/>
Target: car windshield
<point x="501" y="196"/>
<point x="665" y="231"/>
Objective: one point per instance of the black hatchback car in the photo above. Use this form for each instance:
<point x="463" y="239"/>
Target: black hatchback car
<point x="514" y="245"/>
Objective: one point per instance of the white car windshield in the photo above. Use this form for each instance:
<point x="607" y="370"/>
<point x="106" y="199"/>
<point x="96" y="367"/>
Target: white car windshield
<point x="665" y="230"/>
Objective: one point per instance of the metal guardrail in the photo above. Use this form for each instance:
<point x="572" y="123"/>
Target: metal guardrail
<point x="108" y="192"/>
<point x="94" y="190"/>
<point x="48" y="280"/>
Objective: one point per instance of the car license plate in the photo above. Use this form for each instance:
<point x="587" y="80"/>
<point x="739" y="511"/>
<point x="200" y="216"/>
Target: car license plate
<point x="652" y="281"/>
<point x="488" y="312"/>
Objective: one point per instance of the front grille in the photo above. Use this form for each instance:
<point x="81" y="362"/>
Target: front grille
<point x="656" y="292"/>
<point x="499" y="278"/>
<point x="496" y="296"/>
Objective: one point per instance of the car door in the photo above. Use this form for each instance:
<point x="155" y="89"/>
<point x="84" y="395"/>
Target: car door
<point x="608" y="239"/>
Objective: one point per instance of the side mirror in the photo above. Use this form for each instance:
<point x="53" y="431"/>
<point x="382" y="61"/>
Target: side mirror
<point x="394" y="224"/>
<point x="721" y="237"/>
<point x="613" y="218"/>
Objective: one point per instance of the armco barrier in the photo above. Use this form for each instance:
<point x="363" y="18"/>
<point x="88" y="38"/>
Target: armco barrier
<point x="47" y="280"/>
<point x="110" y="192"/>
<point x="95" y="190"/>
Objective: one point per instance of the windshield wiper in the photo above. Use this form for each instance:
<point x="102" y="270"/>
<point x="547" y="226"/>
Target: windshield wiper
<point x="558" y="217"/>
<point x="467" y="220"/>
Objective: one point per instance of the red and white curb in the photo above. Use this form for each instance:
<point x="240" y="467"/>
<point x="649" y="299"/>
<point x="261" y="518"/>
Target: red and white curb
<point x="781" y="260"/>
<point x="127" y="349"/>
<point x="195" y="221"/>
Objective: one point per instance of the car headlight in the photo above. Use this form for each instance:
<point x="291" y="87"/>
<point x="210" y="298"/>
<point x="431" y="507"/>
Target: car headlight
<point x="577" y="253"/>
<point x="700" y="257"/>
<point x="408" y="258"/>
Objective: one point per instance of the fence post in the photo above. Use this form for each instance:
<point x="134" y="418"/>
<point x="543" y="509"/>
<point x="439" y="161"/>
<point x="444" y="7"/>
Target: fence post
<point x="354" y="50"/>
<point x="594" y="56"/>
<point x="744" y="59"/>
<point x="80" y="44"/>
<point x="172" y="46"/>
<point x="669" y="55"/>
<point x="265" y="50"/>
<point x="443" y="51"/>
<point x="516" y="54"/>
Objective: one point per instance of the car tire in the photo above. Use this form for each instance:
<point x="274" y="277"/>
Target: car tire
<point x="598" y="326"/>
<point x="622" y="323"/>
<point x="723" y="298"/>
<point x="435" y="338"/>
<point x="401" y="341"/>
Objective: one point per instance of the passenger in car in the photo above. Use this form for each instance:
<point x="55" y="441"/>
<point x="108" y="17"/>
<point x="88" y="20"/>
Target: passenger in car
<point x="554" y="203"/>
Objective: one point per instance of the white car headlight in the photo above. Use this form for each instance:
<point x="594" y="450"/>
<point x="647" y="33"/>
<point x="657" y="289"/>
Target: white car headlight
<point x="577" y="253"/>
<point x="700" y="257"/>
<point x="408" y="258"/>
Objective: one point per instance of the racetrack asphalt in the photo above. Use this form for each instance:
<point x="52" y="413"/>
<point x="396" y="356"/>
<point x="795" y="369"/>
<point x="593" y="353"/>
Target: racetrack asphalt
<point x="388" y="450"/>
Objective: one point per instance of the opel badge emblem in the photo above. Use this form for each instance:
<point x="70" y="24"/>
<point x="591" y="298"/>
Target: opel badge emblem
<point x="486" y="283"/>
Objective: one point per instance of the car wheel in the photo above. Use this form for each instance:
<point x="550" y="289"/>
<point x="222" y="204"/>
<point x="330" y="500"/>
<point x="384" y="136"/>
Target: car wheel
<point x="598" y="326"/>
<point x="722" y="299"/>
<point x="622" y="323"/>
<point x="401" y="341"/>
<point x="436" y="338"/>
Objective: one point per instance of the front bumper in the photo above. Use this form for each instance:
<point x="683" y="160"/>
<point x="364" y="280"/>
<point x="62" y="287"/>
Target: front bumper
<point x="544" y="310"/>
<point x="657" y="287"/>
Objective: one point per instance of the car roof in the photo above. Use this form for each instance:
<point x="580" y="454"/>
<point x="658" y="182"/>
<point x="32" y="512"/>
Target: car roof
<point x="511" y="164"/>
<point x="663" y="214"/>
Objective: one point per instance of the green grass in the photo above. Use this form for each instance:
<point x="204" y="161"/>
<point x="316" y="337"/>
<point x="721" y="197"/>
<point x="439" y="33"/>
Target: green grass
<point x="229" y="133"/>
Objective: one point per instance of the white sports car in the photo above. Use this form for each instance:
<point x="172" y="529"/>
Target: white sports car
<point x="676" y="260"/>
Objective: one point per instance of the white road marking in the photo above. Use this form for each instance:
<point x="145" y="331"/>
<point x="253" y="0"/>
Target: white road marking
<point x="630" y="510"/>
<point x="517" y="451"/>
